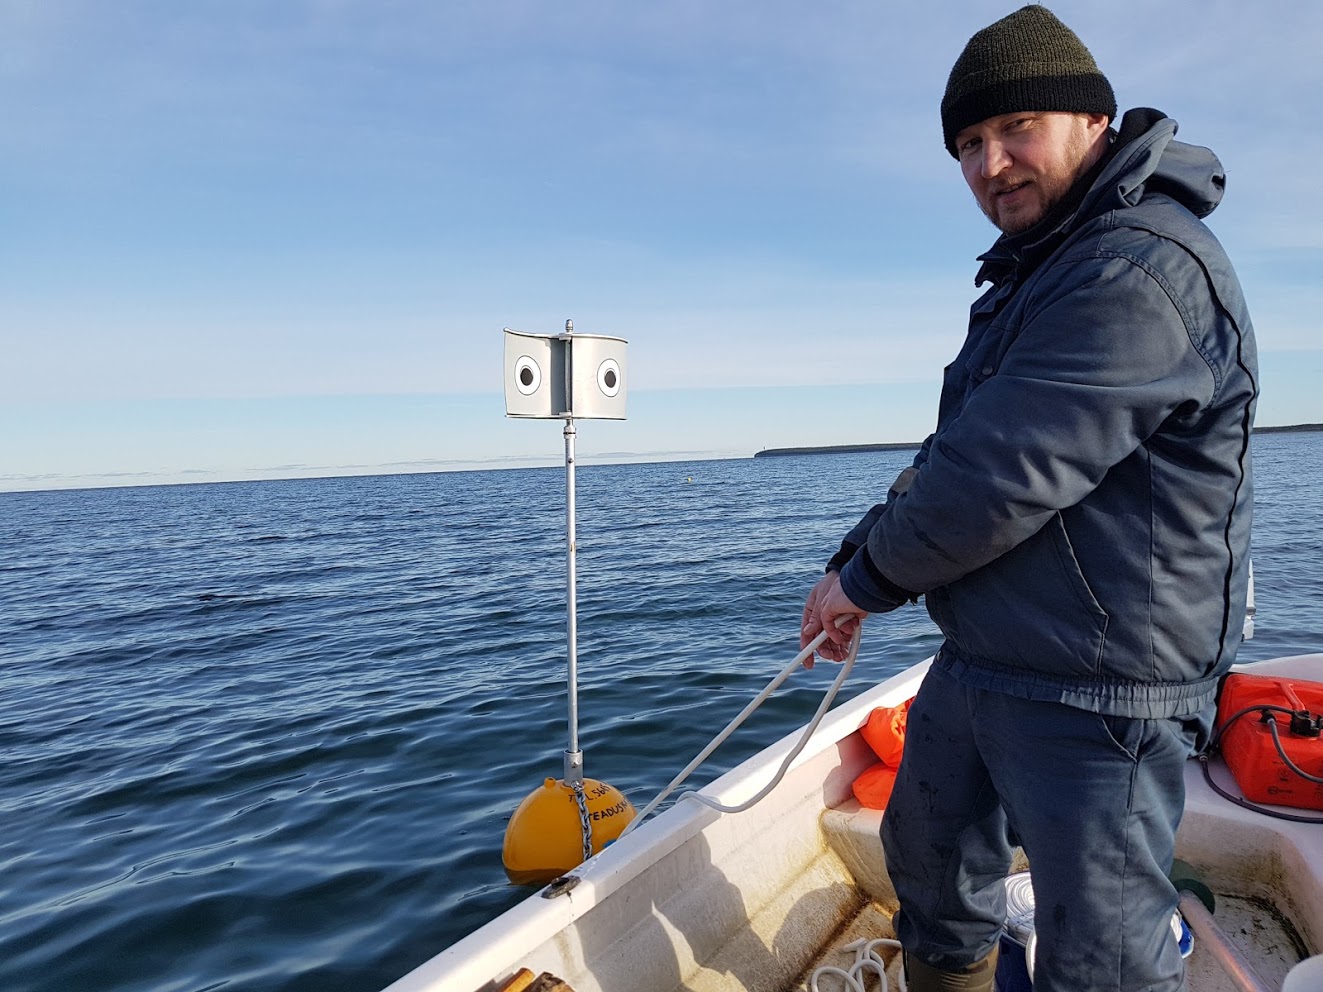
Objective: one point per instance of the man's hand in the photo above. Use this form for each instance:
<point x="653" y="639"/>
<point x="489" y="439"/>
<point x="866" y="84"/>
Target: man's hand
<point x="827" y="604"/>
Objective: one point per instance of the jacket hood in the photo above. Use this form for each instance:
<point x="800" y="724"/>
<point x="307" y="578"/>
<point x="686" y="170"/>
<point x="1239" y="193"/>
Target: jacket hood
<point x="1149" y="159"/>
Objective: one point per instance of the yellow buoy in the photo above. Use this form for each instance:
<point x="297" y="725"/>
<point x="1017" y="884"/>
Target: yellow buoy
<point x="545" y="836"/>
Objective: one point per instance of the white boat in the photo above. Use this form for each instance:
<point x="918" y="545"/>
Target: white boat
<point x="708" y="902"/>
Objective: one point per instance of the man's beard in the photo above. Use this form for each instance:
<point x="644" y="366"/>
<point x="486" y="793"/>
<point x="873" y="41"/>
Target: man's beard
<point x="1052" y="189"/>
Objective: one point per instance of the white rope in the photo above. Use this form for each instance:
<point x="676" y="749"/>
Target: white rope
<point x="753" y="705"/>
<point x="866" y="959"/>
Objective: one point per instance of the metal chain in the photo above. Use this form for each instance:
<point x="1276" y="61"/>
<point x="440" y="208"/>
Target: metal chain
<point x="585" y="827"/>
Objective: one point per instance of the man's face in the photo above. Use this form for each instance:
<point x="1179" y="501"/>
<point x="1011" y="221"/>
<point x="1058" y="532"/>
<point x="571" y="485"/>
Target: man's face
<point x="1020" y="165"/>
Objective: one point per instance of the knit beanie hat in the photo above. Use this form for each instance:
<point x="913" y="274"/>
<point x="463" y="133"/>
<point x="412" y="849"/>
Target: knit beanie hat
<point x="1028" y="60"/>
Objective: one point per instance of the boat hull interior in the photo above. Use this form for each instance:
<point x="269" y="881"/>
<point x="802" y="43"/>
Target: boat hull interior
<point x="707" y="902"/>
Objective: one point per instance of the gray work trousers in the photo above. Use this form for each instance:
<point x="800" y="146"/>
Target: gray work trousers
<point x="1094" y="800"/>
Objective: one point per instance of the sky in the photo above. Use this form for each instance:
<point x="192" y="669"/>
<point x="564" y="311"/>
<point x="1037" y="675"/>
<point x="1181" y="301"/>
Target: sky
<point x="245" y="239"/>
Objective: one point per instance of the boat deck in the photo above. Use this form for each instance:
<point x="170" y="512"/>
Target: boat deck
<point x="1257" y="929"/>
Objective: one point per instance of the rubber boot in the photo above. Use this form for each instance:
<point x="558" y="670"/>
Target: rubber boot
<point x="978" y="977"/>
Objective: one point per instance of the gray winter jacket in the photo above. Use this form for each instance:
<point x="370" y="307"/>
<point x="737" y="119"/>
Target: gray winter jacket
<point x="1079" y="522"/>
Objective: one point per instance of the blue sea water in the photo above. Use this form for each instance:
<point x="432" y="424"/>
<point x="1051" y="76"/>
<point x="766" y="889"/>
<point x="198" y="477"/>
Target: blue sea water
<point x="266" y="736"/>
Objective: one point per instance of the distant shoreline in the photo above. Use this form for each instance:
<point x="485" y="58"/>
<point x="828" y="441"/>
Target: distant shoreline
<point x="1291" y="429"/>
<point x="850" y="449"/>
<point x="840" y="449"/>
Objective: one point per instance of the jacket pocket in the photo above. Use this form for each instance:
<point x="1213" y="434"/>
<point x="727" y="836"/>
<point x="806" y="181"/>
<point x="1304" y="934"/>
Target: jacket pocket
<point x="1032" y="609"/>
<point x="1070" y="568"/>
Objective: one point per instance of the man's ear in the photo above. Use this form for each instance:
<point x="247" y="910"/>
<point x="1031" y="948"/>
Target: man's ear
<point x="1097" y="123"/>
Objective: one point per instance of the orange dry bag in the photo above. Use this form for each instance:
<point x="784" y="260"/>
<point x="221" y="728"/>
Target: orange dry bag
<point x="885" y="732"/>
<point x="873" y="787"/>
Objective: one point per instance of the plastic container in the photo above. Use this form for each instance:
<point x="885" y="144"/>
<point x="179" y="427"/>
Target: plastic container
<point x="1247" y="743"/>
<point x="1013" y="958"/>
<point x="1015" y="961"/>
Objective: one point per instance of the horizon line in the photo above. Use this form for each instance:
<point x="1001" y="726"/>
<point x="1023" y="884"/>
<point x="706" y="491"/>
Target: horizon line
<point x="439" y="466"/>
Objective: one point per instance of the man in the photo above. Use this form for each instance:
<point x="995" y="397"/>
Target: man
<point x="1078" y="525"/>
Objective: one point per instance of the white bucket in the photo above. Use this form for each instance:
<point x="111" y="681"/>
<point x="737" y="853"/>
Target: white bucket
<point x="1015" y="964"/>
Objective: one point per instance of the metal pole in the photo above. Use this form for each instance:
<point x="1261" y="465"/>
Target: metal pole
<point x="573" y="756"/>
<point x="1210" y="936"/>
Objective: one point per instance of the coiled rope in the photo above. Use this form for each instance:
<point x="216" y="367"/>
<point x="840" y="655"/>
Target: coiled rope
<point x="866" y="959"/>
<point x="757" y="701"/>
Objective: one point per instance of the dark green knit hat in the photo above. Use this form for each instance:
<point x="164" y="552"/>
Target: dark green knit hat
<point x="1028" y="60"/>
